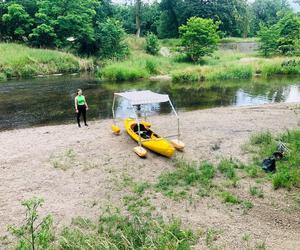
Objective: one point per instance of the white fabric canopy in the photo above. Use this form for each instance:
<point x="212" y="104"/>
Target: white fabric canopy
<point x="143" y="97"/>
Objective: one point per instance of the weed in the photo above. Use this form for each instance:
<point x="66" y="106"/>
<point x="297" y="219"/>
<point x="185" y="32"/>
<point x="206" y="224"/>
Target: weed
<point x="261" y="138"/>
<point x="227" y="168"/>
<point x="83" y="223"/>
<point x="34" y="233"/>
<point x="176" y="183"/>
<point x="256" y="191"/>
<point x="230" y="198"/>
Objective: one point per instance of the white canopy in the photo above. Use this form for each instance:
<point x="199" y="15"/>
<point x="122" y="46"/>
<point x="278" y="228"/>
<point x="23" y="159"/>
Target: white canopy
<point x="143" y="97"/>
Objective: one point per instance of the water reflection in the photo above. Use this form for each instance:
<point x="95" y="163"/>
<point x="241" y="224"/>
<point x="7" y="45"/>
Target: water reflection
<point x="45" y="101"/>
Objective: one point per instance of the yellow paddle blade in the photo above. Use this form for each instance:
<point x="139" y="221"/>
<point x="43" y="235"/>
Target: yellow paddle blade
<point x="140" y="151"/>
<point x="179" y="145"/>
<point x="115" y="129"/>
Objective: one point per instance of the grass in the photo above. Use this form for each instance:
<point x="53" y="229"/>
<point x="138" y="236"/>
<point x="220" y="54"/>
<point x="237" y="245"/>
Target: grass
<point x="220" y="66"/>
<point x="256" y="191"/>
<point x="21" y="61"/>
<point x="176" y="184"/>
<point x="262" y="145"/>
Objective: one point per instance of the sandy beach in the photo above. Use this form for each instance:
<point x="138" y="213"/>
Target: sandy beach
<point x="76" y="170"/>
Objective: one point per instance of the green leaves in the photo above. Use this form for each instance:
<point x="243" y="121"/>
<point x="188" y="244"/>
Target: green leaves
<point x="199" y="37"/>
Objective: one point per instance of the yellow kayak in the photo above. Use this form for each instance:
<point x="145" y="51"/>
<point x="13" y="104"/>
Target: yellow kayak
<point x="149" y="139"/>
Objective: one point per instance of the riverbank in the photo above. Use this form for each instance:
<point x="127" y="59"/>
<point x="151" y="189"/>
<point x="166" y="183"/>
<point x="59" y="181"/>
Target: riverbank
<point x="23" y="62"/>
<point x="80" y="171"/>
<point x="223" y="64"/>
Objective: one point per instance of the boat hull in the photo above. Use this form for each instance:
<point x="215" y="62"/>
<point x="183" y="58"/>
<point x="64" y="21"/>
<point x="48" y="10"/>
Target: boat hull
<point x="156" y="143"/>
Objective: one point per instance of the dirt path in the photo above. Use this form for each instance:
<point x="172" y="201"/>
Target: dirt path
<point x="77" y="170"/>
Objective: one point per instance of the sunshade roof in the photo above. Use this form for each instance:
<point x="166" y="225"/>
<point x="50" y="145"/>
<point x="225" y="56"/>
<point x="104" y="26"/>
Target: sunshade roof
<point x="143" y="97"/>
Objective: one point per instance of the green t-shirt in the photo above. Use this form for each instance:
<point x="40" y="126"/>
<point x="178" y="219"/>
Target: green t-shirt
<point x="80" y="100"/>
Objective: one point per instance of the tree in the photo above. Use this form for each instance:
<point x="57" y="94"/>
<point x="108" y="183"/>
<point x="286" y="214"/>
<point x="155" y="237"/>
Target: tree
<point x="152" y="44"/>
<point x="282" y="37"/>
<point x="199" y="37"/>
<point x="265" y="12"/>
<point x="17" y="22"/>
<point x="138" y="4"/>
<point x="42" y="35"/>
<point x="110" y="37"/>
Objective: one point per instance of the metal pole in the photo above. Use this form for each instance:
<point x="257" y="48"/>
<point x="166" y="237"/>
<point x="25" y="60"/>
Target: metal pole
<point x="178" y="127"/>
<point x="113" y="109"/>
<point x="138" y="123"/>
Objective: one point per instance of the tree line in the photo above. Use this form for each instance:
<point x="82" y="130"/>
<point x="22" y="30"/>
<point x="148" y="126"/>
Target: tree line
<point x="98" y="26"/>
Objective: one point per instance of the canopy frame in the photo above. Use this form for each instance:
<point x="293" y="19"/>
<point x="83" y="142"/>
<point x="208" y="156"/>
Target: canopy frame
<point x="137" y="98"/>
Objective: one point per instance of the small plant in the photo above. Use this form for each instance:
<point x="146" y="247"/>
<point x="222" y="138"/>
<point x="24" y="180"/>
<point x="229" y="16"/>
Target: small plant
<point x="227" y="168"/>
<point x="211" y="236"/>
<point x="34" y="233"/>
<point x="261" y="138"/>
<point x="187" y="175"/>
<point x="230" y="198"/>
<point x="256" y="191"/>
<point x="151" y="66"/>
<point x="152" y="44"/>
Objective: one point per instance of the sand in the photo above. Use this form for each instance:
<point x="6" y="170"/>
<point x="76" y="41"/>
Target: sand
<point x="76" y="170"/>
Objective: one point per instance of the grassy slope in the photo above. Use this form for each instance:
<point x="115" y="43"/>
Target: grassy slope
<point x="221" y="65"/>
<point x="21" y="61"/>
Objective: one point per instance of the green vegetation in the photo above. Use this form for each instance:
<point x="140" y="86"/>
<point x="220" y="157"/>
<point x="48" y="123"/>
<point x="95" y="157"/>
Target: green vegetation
<point x="20" y="61"/>
<point x="282" y="37"/>
<point x="227" y="168"/>
<point x="35" y="233"/>
<point x="256" y="191"/>
<point x="199" y="37"/>
<point x="176" y="184"/>
<point x="264" y="144"/>
<point x="138" y="230"/>
<point x="152" y="44"/>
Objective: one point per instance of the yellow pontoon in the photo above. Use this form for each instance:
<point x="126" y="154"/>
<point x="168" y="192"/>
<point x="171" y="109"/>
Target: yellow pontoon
<point x="140" y="130"/>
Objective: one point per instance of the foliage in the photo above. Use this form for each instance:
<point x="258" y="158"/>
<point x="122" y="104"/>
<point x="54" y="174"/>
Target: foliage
<point x="35" y="233"/>
<point x="175" y="184"/>
<point x="111" y="39"/>
<point x="43" y="35"/>
<point x="282" y="37"/>
<point x="17" y="22"/>
<point x="287" y="174"/>
<point x="152" y="44"/>
<point x="122" y="72"/>
<point x="199" y="37"/>
<point x="227" y="168"/>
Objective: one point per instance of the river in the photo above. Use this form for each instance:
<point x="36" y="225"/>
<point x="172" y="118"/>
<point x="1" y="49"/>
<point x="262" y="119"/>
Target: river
<point x="44" y="101"/>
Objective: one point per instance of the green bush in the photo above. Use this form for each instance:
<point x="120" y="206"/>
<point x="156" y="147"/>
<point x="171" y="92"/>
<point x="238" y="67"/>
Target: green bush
<point x="231" y="73"/>
<point x="199" y="37"/>
<point x="120" y="72"/>
<point x="152" y="44"/>
<point x="185" y="76"/>
<point x="111" y="37"/>
<point x="115" y="231"/>
<point x="151" y="66"/>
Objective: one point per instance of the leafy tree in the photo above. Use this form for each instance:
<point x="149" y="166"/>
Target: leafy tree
<point x="268" y="40"/>
<point x="152" y="44"/>
<point x="199" y="37"/>
<point x="17" y="22"/>
<point x="282" y="37"/>
<point x="43" y="35"/>
<point x="265" y="12"/>
<point x="110" y="36"/>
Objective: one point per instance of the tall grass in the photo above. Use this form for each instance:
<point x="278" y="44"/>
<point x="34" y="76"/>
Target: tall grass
<point x="288" y="171"/>
<point x="20" y="61"/>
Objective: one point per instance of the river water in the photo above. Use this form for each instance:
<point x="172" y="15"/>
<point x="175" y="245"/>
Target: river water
<point x="44" y="101"/>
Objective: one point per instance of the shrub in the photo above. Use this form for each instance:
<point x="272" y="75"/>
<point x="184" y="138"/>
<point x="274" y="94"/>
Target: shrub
<point x="185" y="76"/>
<point x="231" y="73"/>
<point x="120" y="72"/>
<point x="111" y="37"/>
<point x="3" y="77"/>
<point x="199" y="37"/>
<point x="152" y="44"/>
<point x="151" y="66"/>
